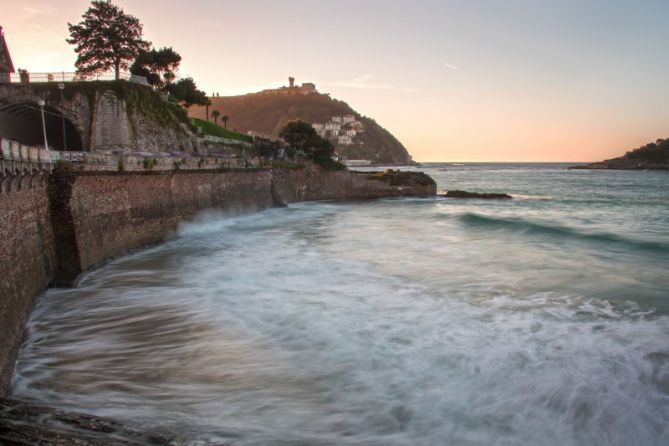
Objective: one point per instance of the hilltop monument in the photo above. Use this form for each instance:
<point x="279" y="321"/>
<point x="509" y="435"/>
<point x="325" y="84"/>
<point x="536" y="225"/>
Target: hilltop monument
<point x="6" y="65"/>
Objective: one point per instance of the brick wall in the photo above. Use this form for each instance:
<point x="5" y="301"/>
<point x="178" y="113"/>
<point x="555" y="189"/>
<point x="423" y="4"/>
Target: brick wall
<point x="27" y="264"/>
<point x="114" y="212"/>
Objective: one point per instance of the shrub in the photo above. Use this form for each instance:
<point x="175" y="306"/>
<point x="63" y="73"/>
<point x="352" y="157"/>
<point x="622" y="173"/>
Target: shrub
<point x="149" y="163"/>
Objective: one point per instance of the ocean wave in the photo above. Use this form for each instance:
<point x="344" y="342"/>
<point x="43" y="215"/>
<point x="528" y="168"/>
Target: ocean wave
<point x="531" y="197"/>
<point x="546" y="229"/>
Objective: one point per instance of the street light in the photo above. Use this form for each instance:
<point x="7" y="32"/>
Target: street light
<point x="61" y="87"/>
<point x="41" y="106"/>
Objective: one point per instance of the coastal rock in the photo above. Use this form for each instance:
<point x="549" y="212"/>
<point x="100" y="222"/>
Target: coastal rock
<point x="465" y="194"/>
<point x="399" y="178"/>
<point x="29" y="424"/>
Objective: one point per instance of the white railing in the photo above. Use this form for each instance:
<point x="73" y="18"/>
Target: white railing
<point x="30" y="78"/>
<point x="14" y="151"/>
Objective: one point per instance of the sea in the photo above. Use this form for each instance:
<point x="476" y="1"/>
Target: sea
<point x="540" y="320"/>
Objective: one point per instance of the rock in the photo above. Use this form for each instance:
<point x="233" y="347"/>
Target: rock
<point x="400" y="178"/>
<point x="31" y="424"/>
<point x="465" y="194"/>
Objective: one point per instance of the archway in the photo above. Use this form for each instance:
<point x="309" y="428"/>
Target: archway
<point x="22" y="122"/>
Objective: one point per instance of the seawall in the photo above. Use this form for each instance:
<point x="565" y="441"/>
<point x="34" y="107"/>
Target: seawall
<point x="27" y="265"/>
<point x="57" y="226"/>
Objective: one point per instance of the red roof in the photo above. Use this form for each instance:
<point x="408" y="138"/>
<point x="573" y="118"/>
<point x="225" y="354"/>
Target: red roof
<point x="6" y="65"/>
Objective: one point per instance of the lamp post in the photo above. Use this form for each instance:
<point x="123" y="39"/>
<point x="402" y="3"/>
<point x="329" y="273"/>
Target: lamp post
<point x="61" y="87"/>
<point x="41" y="106"/>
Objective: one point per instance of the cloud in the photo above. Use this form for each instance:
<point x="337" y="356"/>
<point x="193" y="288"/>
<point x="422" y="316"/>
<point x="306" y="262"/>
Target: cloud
<point x="364" y="82"/>
<point x="452" y="67"/>
<point x="39" y="9"/>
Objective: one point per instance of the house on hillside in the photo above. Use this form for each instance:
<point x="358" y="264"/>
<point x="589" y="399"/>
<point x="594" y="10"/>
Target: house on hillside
<point x="6" y="65"/>
<point x="345" y="140"/>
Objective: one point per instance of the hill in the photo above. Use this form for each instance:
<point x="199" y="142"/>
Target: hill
<point x="652" y="156"/>
<point x="266" y="112"/>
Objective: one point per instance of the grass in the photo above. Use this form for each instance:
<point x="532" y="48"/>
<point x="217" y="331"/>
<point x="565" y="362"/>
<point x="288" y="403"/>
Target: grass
<point x="209" y="128"/>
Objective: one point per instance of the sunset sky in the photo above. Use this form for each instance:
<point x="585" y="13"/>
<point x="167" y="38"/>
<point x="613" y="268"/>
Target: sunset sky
<point x="476" y="80"/>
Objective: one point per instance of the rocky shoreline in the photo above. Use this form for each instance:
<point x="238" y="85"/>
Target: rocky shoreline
<point x="26" y="424"/>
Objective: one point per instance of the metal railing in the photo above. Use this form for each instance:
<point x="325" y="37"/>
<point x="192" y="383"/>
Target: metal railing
<point x="30" y="78"/>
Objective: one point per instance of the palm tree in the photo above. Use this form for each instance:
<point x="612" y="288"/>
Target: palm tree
<point x="225" y="118"/>
<point x="206" y="105"/>
<point x="215" y="114"/>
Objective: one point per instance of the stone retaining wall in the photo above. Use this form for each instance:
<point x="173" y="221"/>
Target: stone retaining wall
<point x="27" y="265"/>
<point x="51" y="234"/>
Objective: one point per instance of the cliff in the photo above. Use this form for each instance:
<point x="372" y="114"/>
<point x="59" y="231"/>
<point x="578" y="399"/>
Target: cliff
<point x="267" y="112"/>
<point x="652" y="156"/>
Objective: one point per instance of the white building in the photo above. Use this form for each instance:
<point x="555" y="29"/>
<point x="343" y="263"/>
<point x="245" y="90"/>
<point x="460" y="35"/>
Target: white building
<point x="348" y="119"/>
<point x="318" y="126"/>
<point x="337" y="119"/>
<point x="345" y="140"/>
<point x="322" y="133"/>
<point x="351" y="133"/>
<point x="357" y="163"/>
<point x="332" y="126"/>
<point x="334" y="132"/>
<point x="358" y="126"/>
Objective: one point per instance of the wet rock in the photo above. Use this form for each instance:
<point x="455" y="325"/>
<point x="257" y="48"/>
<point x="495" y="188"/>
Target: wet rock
<point x="31" y="424"/>
<point x="465" y="194"/>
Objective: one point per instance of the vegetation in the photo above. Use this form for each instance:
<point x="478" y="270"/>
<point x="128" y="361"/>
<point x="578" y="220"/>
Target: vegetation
<point x="209" y="128"/>
<point x="215" y="114"/>
<point x="106" y="38"/>
<point x="149" y="163"/>
<point x="186" y="93"/>
<point x="656" y="152"/>
<point x="268" y="113"/>
<point x="158" y="67"/>
<point x="301" y="136"/>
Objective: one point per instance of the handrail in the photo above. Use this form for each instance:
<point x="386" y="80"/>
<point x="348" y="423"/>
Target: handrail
<point x="64" y="76"/>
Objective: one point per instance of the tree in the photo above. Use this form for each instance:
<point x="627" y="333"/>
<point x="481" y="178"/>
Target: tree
<point x="301" y="135"/>
<point x="157" y="66"/>
<point x="106" y="38"/>
<point x="215" y="114"/>
<point x="206" y="107"/>
<point x="186" y="93"/>
<point x="225" y="119"/>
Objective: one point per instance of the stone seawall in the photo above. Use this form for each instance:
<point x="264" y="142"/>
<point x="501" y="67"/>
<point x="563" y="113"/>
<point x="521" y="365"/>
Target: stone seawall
<point x="51" y="234"/>
<point x="106" y="214"/>
<point x="27" y="265"/>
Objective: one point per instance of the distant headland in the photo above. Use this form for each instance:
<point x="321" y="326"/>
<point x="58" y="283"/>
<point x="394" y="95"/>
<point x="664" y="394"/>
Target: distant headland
<point x="652" y="156"/>
<point x="358" y="139"/>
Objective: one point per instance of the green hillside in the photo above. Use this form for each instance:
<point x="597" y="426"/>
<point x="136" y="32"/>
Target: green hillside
<point x="268" y="112"/>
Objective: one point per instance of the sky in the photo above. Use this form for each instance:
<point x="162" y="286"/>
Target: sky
<point x="475" y="80"/>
